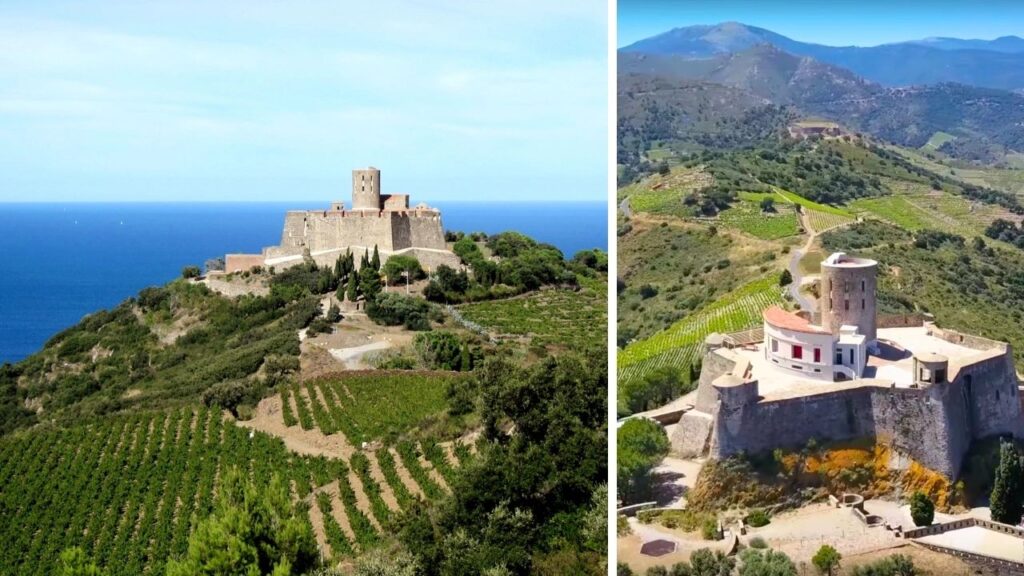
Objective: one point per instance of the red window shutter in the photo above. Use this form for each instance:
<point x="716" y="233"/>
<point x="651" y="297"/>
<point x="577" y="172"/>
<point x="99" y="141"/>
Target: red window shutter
<point x="798" y="351"/>
<point x="817" y="354"/>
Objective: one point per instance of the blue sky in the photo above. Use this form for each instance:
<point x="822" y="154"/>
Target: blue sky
<point x="830" y="22"/>
<point x="244" y="100"/>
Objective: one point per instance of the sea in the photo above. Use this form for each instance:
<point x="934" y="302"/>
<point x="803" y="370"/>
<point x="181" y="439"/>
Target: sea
<point x="61" y="261"/>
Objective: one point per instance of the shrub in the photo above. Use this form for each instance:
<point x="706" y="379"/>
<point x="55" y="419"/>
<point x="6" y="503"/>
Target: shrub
<point x="826" y="559"/>
<point x="895" y="565"/>
<point x="709" y="529"/>
<point x="757" y="518"/>
<point x="393" y="309"/>
<point x="191" y="272"/>
<point x="758" y="542"/>
<point x="922" y="509"/>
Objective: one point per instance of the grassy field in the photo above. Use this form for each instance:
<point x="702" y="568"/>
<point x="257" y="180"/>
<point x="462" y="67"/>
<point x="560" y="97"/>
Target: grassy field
<point x="680" y="344"/>
<point x="937" y="140"/>
<point x="552" y="317"/>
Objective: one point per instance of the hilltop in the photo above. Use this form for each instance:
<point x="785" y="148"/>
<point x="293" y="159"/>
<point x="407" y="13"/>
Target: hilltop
<point x="386" y="417"/>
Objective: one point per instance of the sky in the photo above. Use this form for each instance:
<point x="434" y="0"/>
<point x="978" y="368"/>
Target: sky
<point x="829" y="22"/>
<point x="250" y="100"/>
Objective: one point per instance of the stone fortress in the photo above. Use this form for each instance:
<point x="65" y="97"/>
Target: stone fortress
<point x="848" y="373"/>
<point x="382" y="220"/>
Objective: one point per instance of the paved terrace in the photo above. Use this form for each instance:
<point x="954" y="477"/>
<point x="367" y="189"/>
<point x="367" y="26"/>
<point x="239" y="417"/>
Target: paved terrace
<point x="894" y="364"/>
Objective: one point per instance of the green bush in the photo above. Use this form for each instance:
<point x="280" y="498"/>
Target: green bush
<point x="758" y="542"/>
<point x="922" y="509"/>
<point x="895" y="565"/>
<point x="757" y="518"/>
<point x="709" y="529"/>
<point x="393" y="309"/>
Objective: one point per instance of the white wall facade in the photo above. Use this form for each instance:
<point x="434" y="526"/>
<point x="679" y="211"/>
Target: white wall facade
<point x="810" y="354"/>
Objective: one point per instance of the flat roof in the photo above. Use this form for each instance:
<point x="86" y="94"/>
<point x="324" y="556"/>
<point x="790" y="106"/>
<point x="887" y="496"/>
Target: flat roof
<point x="844" y="260"/>
<point x="894" y="364"/>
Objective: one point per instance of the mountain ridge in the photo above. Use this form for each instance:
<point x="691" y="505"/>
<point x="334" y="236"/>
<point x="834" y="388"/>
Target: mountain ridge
<point x="895" y="64"/>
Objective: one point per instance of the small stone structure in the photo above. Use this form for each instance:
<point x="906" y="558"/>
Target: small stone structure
<point x="924" y="391"/>
<point x="384" y="221"/>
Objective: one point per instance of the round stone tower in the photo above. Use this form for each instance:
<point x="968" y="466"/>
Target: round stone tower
<point x="848" y="294"/>
<point x="366" y="189"/>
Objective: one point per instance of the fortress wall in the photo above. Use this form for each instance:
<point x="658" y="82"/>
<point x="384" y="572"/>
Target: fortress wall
<point x="928" y="425"/>
<point x="900" y="320"/>
<point x="715" y="364"/>
<point x="426" y="231"/>
<point x="925" y="426"/>
<point x="293" y="236"/>
<point x="989" y="390"/>
<point x="763" y="426"/>
<point x="968" y="340"/>
<point x="241" y="262"/>
<point x="335" y="230"/>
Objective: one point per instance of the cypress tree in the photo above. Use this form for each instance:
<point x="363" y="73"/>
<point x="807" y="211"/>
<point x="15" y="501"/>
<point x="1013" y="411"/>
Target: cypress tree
<point x="375" y="261"/>
<point x="1007" y="500"/>
<point x="353" y="288"/>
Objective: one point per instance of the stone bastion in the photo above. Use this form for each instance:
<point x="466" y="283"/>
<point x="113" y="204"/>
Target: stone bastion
<point x="744" y="406"/>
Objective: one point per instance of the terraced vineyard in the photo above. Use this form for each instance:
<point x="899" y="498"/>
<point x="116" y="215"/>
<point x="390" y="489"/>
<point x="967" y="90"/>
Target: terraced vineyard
<point x="559" y="317"/>
<point x="664" y="195"/>
<point x="367" y="406"/>
<point x="820" y="216"/>
<point x="128" y="489"/>
<point x="680" y="344"/>
<point x="933" y="210"/>
<point x="747" y="216"/>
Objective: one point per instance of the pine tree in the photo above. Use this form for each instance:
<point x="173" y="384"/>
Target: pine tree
<point x="365" y="260"/>
<point x="922" y="510"/>
<point x="375" y="261"/>
<point x="1007" y="496"/>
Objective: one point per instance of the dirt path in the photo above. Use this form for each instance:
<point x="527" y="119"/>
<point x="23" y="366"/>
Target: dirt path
<point x="404" y="475"/>
<point x="432" y="472"/>
<point x="268" y="419"/>
<point x="625" y="209"/>
<point x="316" y="518"/>
<point x="362" y="500"/>
<point x="386" y="493"/>
<point x="803" y="301"/>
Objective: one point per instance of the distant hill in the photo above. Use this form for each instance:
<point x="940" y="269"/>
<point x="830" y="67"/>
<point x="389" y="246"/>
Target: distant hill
<point x="984" y="120"/>
<point x="1008" y="44"/>
<point x="997" y="63"/>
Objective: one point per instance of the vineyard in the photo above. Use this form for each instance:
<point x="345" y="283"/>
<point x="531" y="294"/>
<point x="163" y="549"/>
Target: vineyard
<point x="936" y="211"/>
<point x="680" y="344"/>
<point x="747" y="216"/>
<point x="557" y="317"/>
<point x="129" y="489"/>
<point x="664" y="194"/>
<point x="821" y="217"/>
<point x="366" y="406"/>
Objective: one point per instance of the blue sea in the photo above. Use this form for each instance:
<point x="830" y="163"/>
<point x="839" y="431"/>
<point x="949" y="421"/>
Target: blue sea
<point x="59" y="262"/>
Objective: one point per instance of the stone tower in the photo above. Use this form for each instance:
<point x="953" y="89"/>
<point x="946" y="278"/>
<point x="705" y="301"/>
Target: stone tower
<point x="366" y="189"/>
<point x="848" y="294"/>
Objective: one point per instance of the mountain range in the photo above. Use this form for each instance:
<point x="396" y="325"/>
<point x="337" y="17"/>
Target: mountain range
<point x="995" y="63"/>
<point x="659" y="99"/>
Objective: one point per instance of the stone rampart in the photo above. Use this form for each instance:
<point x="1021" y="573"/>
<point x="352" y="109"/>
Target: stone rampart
<point x="933" y="425"/>
<point x="900" y="320"/>
<point x="241" y="262"/>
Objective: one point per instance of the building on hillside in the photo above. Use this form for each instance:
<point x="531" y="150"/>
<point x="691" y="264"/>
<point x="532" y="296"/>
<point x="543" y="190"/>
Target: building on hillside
<point x="851" y="373"/>
<point x="384" y="221"/>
